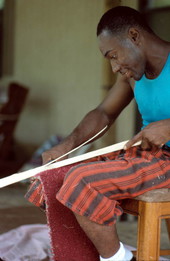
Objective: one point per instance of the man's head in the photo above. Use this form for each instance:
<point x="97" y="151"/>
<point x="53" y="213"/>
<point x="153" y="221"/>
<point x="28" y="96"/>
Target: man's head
<point x="120" y="32"/>
<point x="119" y="19"/>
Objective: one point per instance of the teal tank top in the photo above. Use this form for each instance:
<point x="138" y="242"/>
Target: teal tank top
<point x="153" y="97"/>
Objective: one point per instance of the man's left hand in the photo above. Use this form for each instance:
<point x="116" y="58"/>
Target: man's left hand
<point x="156" y="134"/>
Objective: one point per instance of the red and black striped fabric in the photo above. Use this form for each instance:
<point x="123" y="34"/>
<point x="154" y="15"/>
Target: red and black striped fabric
<point x="35" y="193"/>
<point x="95" y="187"/>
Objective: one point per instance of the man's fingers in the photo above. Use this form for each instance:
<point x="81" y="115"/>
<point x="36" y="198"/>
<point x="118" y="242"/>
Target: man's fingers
<point x="131" y="142"/>
<point x="52" y="155"/>
<point x="146" y="145"/>
<point x="46" y="157"/>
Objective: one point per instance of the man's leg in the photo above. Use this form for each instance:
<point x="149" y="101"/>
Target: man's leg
<point x="104" y="238"/>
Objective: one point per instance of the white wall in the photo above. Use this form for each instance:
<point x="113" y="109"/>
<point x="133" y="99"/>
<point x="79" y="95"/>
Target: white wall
<point x="57" y="57"/>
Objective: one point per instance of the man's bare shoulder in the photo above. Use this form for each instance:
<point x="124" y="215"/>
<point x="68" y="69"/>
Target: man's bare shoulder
<point x="118" y="97"/>
<point x="123" y="86"/>
<point x="123" y="80"/>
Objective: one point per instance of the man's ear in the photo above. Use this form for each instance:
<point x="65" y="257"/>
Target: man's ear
<point x="134" y="35"/>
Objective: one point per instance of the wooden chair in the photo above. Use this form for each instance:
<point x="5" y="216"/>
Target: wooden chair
<point x="151" y="208"/>
<point x="9" y="116"/>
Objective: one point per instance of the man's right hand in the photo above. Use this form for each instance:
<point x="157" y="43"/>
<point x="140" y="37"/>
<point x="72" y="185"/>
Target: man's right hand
<point x="54" y="153"/>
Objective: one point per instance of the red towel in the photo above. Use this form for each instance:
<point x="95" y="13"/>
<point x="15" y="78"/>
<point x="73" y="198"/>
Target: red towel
<point x="68" y="241"/>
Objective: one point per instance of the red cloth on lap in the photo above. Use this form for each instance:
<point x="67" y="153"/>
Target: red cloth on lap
<point x="68" y="241"/>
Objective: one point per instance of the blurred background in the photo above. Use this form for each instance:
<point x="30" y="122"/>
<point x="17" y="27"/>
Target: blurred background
<point x="50" y="47"/>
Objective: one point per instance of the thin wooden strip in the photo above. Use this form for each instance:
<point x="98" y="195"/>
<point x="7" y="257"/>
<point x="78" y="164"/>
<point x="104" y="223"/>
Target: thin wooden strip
<point x="16" y="177"/>
<point x="30" y="173"/>
<point x="81" y="145"/>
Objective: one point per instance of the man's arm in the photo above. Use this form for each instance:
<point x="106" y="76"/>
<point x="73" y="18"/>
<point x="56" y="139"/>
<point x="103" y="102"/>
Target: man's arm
<point x="105" y="114"/>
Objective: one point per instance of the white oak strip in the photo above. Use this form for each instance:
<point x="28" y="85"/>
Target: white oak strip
<point x="78" y="147"/>
<point x="32" y="172"/>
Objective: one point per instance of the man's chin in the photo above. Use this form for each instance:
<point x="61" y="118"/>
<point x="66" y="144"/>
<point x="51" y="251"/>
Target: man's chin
<point x="137" y="77"/>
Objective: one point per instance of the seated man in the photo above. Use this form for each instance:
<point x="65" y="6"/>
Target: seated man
<point x="92" y="190"/>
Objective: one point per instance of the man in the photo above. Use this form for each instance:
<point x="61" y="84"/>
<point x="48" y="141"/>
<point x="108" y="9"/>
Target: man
<point x="92" y="190"/>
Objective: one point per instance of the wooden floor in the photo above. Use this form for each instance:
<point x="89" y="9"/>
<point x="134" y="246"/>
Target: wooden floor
<point x="16" y="216"/>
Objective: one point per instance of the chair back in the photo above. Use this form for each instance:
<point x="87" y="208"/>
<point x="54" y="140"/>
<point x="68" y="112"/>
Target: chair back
<point x="9" y="116"/>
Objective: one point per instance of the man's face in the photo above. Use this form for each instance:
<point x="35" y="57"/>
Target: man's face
<point x="124" y="55"/>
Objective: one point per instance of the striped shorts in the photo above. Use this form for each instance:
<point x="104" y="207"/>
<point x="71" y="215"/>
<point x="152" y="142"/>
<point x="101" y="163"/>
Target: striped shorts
<point x="96" y="187"/>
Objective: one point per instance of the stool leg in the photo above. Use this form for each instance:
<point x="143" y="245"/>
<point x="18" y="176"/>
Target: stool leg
<point x="148" y="231"/>
<point x="168" y="226"/>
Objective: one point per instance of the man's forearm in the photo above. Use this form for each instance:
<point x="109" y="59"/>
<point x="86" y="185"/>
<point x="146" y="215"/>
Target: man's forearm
<point x="91" y="124"/>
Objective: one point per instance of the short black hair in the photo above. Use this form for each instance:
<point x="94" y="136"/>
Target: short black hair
<point x="121" y="18"/>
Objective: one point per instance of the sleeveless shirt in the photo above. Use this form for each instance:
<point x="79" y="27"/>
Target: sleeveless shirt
<point x="153" y="96"/>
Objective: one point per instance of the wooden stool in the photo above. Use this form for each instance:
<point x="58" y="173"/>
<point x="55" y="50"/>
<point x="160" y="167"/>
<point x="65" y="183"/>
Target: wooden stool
<point x="151" y="208"/>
